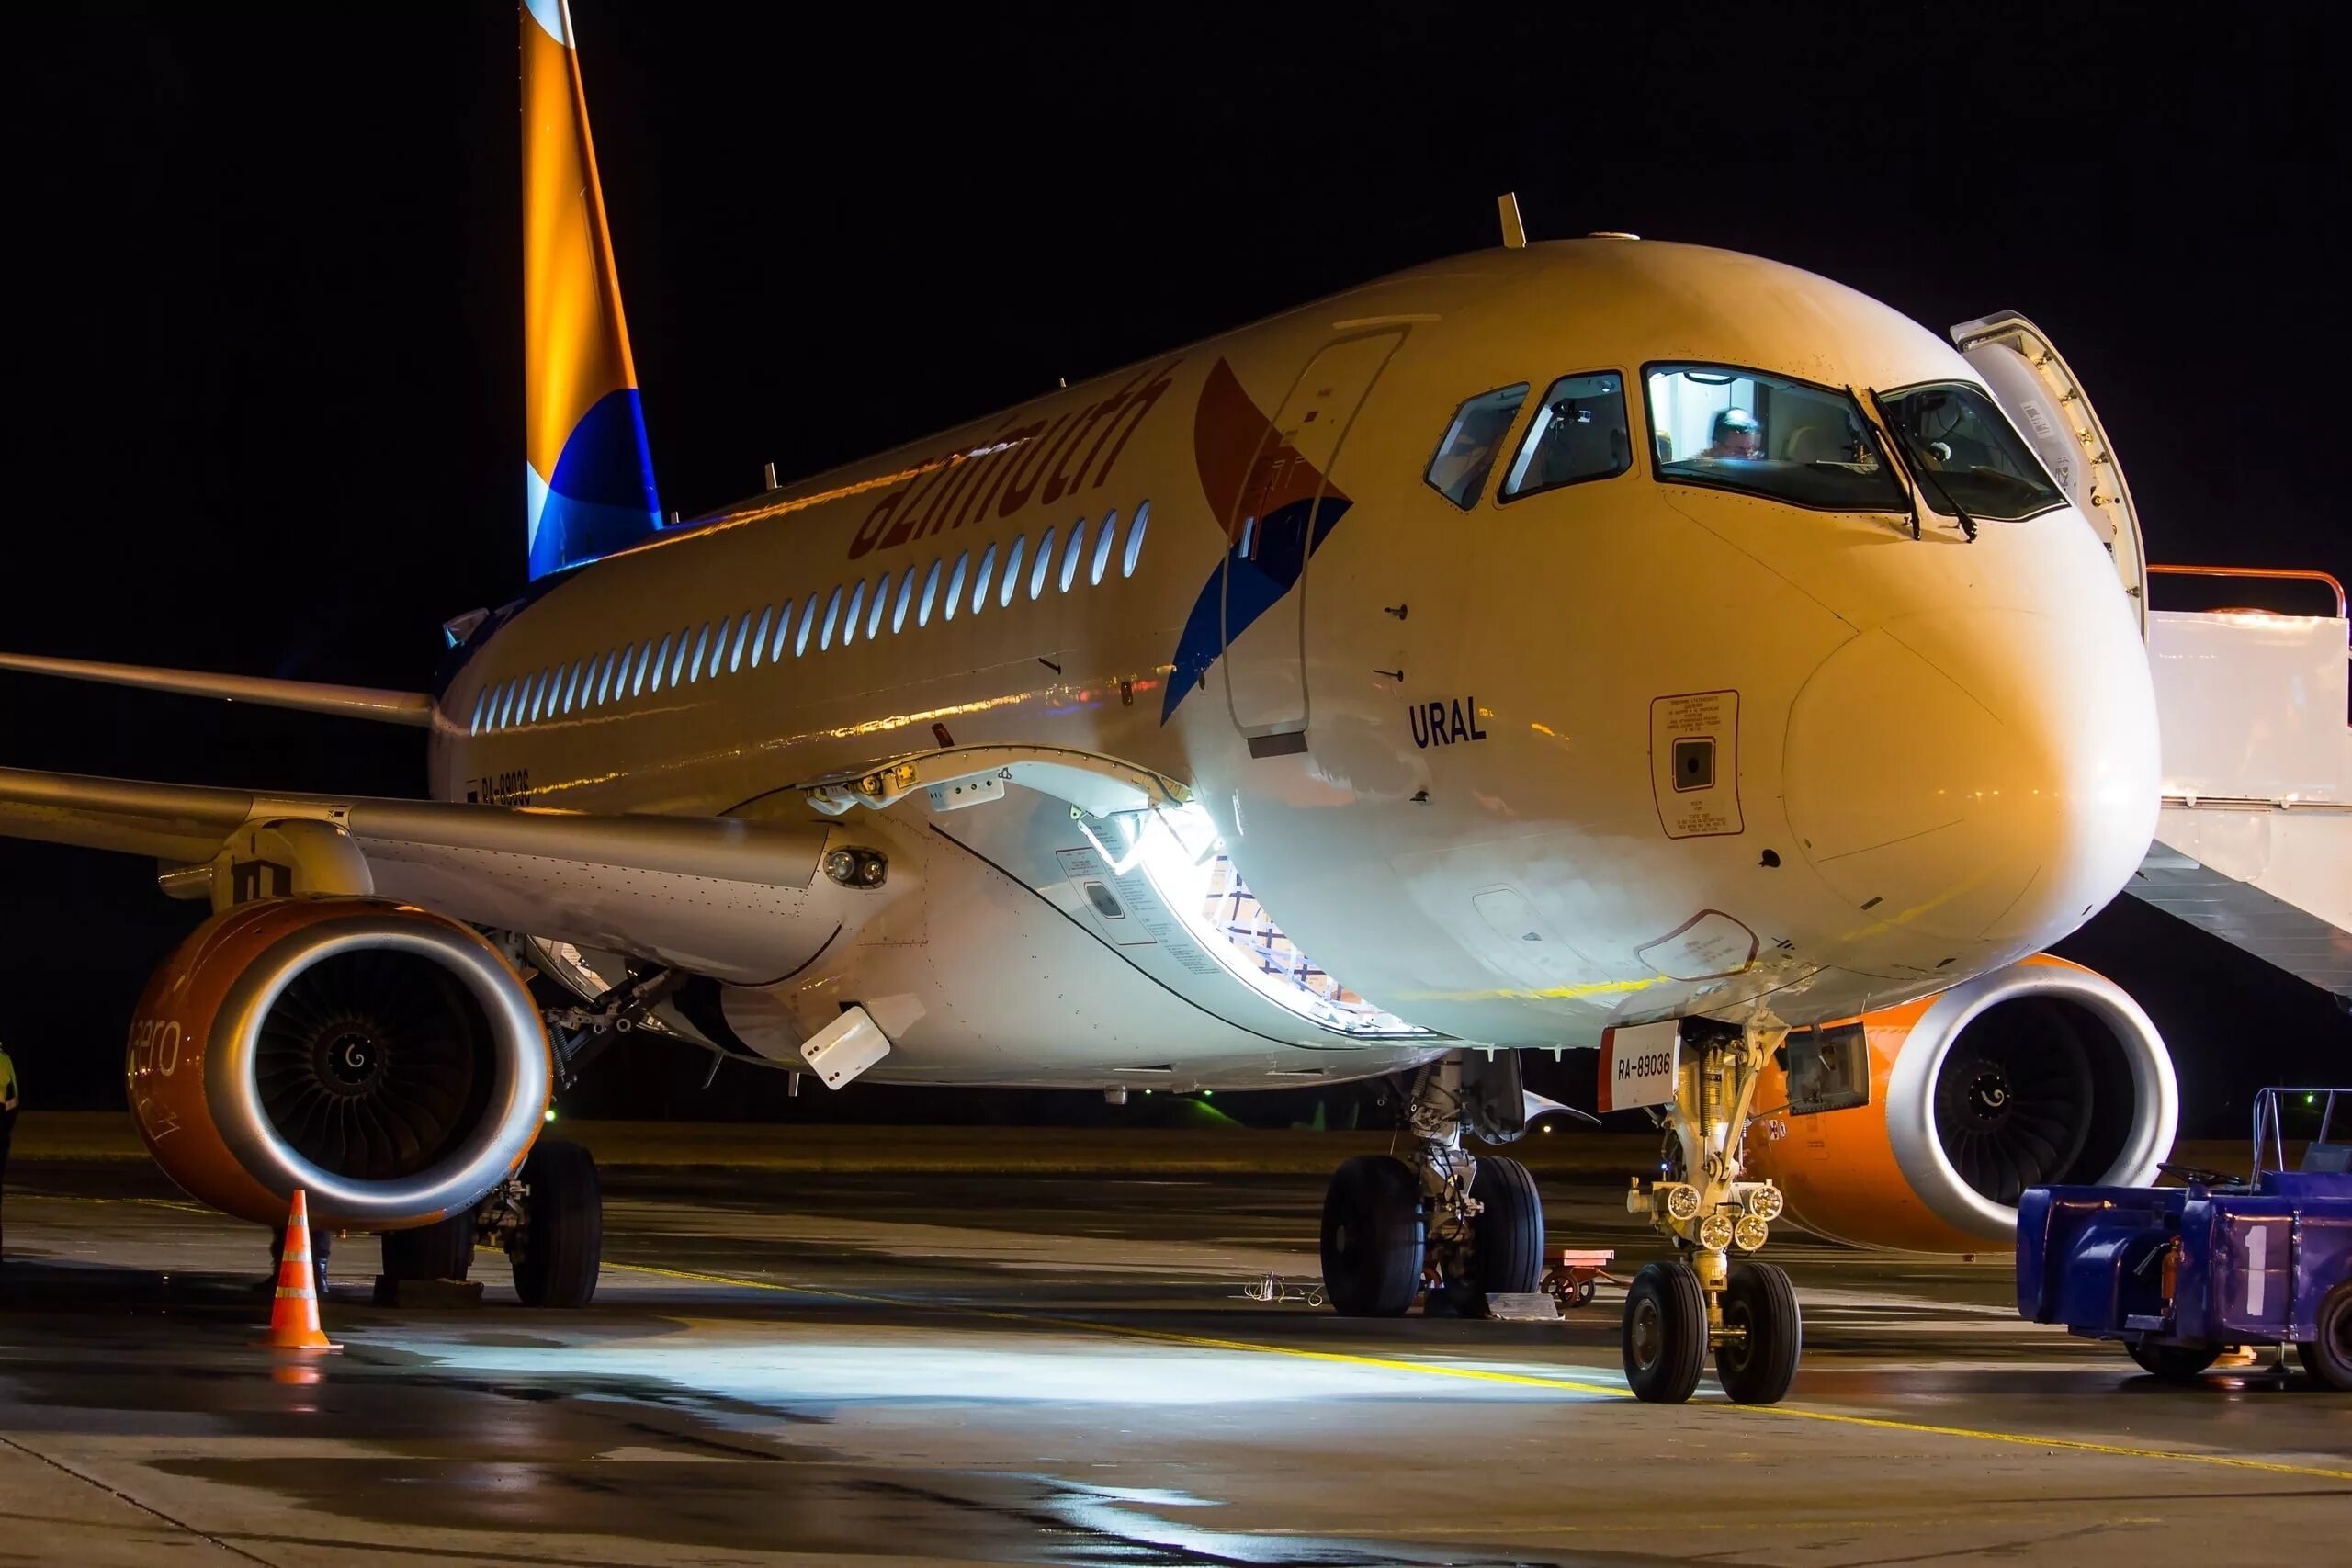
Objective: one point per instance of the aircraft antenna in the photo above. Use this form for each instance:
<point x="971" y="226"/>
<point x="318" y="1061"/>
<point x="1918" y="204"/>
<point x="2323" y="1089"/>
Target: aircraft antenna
<point x="1514" y="231"/>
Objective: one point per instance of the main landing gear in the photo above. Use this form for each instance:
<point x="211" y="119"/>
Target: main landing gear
<point x="550" y="1220"/>
<point x="1705" y="1298"/>
<point x="1438" y="1223"/>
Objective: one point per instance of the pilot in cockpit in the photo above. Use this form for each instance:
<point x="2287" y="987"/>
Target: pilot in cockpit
<point x="1734" y="436"/>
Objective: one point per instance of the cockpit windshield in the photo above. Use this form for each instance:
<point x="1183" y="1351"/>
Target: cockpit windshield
<point x="1767" y="436"/>
<point x="1967" y="454"/>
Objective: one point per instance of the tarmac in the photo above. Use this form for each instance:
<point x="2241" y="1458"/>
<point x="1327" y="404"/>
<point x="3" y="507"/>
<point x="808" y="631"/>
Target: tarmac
<point x="915" y="1346"/>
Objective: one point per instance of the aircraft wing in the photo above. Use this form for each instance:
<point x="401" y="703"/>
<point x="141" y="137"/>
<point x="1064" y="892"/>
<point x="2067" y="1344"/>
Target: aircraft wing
<point x="734" y="898"/>
<point x="414" y="709"/>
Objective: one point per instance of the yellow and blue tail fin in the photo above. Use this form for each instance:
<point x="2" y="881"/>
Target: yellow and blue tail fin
<point x="589" y="467"/>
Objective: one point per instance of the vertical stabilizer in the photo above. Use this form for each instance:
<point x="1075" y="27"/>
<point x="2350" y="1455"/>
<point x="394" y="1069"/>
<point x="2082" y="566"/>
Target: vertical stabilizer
<point x="589" y="469"/>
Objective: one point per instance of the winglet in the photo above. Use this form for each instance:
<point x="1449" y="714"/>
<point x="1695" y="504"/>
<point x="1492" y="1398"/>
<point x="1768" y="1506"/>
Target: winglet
<point x="589" y="468"/>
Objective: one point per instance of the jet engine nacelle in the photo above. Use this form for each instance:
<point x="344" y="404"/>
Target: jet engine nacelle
<point x="2040" y="1073"/>
<point x="381" y="1057"/>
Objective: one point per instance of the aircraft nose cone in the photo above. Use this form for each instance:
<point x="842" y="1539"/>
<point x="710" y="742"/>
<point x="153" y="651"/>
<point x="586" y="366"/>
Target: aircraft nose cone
<point x="1988" y="776"/>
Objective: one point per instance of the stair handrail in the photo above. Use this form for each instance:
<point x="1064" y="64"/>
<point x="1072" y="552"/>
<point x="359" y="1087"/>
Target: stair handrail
<point x="2278" y="573"/>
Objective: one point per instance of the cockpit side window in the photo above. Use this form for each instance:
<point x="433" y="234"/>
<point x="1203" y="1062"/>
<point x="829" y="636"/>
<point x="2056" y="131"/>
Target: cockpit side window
<point x="1466" y="455"/>
<point x="1967" y="454"/>
<point x="1579" y="433"/>
<point x="1771" y="435"/>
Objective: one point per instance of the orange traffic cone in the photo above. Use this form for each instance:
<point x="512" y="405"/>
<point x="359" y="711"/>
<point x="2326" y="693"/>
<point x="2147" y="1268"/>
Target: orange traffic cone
<point x="294" y="1315"/>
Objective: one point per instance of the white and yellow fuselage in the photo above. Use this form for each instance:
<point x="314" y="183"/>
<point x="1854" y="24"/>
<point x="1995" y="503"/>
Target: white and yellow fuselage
<point x="1440" y="744"/>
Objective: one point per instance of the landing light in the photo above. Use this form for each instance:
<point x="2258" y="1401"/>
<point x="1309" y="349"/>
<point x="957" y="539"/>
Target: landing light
<point x="551" y="1115"/>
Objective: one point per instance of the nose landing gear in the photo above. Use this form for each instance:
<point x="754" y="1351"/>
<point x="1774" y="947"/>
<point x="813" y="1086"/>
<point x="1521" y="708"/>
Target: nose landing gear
<point x="1439" y="1224"/>
<point x="1742" y="1309"/>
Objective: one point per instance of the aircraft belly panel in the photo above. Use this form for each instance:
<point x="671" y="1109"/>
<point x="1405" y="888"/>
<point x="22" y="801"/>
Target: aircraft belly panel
<point x="1015" y="974"/>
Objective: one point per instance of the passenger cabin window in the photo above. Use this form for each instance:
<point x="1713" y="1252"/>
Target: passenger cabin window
<point x="1103" y="550"/>
<point x="1012" y="571"/>
<point x="1045" y="564"/>
<point x="1466" y="455"/>
<point x="1579" y="433"/>
<point x="980" y="581"/>
<point x="1966" y="452"/>
<point x="1767" y="436"/>
<point x="1135" y="540"/>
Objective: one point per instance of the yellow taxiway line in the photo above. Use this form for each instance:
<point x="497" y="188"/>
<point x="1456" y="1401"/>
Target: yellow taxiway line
<point x="1522" y="1380"/>
<point x="1431" y="1369"/>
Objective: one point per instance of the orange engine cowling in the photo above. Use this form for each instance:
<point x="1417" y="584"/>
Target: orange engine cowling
<point x="2039" y="1074"/>
<point x="382" y="1059"/>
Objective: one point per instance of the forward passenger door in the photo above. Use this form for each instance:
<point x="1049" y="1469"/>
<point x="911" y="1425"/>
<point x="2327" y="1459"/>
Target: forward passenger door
<point x="2045" y="400"/>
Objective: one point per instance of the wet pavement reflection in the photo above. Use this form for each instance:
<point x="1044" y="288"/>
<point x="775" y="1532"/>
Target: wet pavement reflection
<point x="905" y="1368"/>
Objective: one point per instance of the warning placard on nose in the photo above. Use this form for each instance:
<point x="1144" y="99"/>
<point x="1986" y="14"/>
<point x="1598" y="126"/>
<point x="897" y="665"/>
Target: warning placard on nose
<point x="1637" y="1065"/>
<point x="1694" y="763"/>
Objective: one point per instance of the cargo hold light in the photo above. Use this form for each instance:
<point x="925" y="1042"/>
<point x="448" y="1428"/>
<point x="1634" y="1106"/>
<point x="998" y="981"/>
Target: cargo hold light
<point x="1179" y="851"/>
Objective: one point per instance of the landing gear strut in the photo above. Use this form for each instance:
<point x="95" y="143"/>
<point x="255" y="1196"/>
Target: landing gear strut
<point x="1742" y="1309"/>
<point x="1439" y="1221"/>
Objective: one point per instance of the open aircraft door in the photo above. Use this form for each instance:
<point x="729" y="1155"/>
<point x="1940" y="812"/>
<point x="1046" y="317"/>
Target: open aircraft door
<point x="2045" y="400"/>
<point x="1285" y="506"/>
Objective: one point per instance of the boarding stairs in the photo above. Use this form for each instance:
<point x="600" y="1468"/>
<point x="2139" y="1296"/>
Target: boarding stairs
<point x="2254" y="843"/>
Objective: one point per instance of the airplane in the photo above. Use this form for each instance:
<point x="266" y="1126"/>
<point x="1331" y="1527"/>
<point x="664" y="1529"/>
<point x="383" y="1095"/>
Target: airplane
<point x="1598" y="644"/>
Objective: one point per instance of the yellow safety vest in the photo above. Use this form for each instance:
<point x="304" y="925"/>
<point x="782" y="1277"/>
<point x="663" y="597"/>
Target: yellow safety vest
<point x="7" y="1083"/>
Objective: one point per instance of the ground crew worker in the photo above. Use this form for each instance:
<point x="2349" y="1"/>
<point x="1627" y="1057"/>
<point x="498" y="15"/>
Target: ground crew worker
<point x="8" y="1113"/>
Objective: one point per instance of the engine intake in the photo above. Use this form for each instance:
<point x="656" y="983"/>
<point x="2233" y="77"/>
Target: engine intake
<point x="2039" y="1074"/>
<point x="381" y="1057"/>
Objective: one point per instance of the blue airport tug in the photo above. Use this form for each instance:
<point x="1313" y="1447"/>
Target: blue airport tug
<point x="2179" y="1274"/>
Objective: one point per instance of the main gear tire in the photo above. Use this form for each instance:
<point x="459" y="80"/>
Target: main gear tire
<point x="1374" y="1235"/>
<point x="1665" y="1337"/>
<point x="1765" y="1337"/>
<point x="562" y="1244"/>
<point x="1506" y="1237"/>
<point x="443" y="1250"/>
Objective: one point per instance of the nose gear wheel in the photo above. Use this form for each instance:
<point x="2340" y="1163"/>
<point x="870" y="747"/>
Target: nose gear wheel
<point x="1744" y="1310"/>
<point x="1665" y="1336"/>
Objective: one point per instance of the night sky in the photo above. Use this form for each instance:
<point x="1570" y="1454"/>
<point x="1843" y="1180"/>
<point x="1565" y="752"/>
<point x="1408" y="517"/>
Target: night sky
<point x="267" y="334"/>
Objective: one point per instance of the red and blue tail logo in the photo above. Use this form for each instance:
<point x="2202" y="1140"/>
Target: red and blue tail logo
<point x="589" y="468"/>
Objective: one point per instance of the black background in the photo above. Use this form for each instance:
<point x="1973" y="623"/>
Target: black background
<point x="265" y="320"/>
